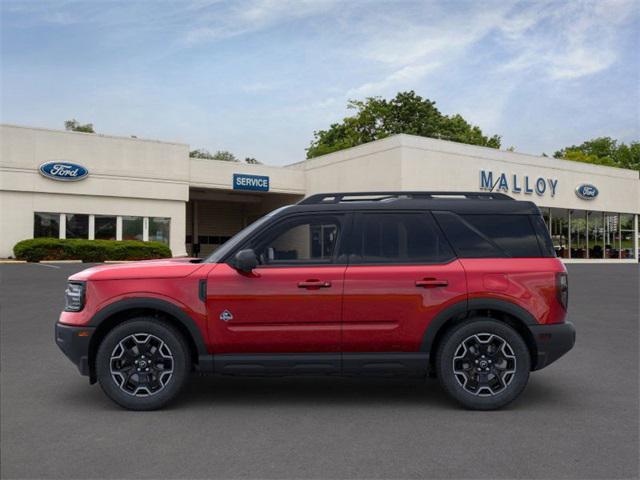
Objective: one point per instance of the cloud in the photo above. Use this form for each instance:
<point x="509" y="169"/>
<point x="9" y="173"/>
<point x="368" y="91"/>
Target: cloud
<point x="403" y="78"/>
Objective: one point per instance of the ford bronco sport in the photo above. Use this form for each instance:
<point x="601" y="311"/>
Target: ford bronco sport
<point x="462" y="286"/>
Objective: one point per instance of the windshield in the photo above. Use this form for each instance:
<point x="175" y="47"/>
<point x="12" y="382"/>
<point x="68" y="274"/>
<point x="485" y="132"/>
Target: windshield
<point x="228" y="246"/>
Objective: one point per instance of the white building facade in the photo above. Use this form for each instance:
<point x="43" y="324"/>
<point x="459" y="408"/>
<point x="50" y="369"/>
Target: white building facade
<point x="76" y="185"/>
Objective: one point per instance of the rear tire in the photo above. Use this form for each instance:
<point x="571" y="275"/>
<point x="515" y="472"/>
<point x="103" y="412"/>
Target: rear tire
<point x="143" y="364"/>
<point x="483" y="364"/>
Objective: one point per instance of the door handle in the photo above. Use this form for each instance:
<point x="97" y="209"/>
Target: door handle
<point x="314" y="284"/>
<point x="431" y="283"/>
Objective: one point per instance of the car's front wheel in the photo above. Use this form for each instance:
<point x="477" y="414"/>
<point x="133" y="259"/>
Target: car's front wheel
<point x="143" y="363"/>
<point x="484" y="364"/>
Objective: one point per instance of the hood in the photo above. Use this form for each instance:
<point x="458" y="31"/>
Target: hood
<point x="163" y="268"/>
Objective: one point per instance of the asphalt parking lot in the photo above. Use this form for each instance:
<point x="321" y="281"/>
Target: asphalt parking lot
<point x="576" y="419"/>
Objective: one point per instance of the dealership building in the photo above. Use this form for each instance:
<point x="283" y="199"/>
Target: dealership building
<point x="78" y="185"/>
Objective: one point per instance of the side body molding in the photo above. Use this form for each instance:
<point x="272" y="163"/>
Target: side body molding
<point x="154" y="304"/>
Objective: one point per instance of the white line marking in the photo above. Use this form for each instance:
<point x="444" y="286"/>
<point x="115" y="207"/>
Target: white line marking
<point x="46" y="265"/>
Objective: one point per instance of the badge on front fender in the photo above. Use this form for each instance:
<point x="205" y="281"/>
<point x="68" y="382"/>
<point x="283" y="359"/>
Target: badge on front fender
<point x="226" y="316"/>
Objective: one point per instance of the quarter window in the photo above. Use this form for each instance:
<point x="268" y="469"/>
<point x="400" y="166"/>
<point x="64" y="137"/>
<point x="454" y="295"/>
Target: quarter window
<point x="398" y="238"/>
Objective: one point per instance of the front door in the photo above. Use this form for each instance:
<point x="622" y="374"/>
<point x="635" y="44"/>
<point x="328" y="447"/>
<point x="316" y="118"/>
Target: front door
<point x="401" y="273"/>
<point x="290" y="303"/>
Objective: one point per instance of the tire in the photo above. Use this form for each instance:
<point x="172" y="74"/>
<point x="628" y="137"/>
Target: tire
<point x="143" y="364"/>
<point x="483" y="364"/>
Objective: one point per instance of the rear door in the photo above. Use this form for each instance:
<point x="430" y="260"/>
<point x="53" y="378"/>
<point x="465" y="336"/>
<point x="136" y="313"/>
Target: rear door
<point x="401" y="273"/>
<point x="291" y="303"/>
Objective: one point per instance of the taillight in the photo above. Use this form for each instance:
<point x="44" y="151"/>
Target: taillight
<point x="562" y="289"/>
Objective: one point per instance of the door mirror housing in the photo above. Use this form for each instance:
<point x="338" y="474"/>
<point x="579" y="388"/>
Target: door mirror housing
<point x="245" y="260"/>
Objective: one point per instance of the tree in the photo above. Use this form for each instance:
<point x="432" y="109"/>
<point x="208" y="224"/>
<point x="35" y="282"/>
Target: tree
<point x="252" y="161"/>
<point x="604" y="151"/>
<point x="75" y="126"/>
<point x="219" y="155"/>
<point x="377" y="118"/>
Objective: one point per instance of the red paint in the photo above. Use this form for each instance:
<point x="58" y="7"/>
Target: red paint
<point x="322" y="308"/>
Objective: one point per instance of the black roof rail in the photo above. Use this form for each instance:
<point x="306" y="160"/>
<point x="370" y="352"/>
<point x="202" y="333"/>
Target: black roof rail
<point x="327" y="198"/>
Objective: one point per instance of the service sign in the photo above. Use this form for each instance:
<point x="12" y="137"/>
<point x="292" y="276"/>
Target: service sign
<point x="63" y="171"/>
<point x="586" y="191"/>
<point x="257" y="183"/>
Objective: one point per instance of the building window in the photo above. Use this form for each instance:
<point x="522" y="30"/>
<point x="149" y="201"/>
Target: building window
<point x="626" y="236"/>
<point x="578" y="234"/>
<point x="77" y="226"/>
<point x="105" y="227"/>
<point x="596" y="235"/>
<point x="46" y="225"/>
<point x="560" y="232"/>
<point x="159" y="229"/>
<point x="611" y="235"/>
<point x="132" y="228"/>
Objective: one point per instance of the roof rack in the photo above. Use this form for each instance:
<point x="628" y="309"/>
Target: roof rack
<point x="325" y="198"/>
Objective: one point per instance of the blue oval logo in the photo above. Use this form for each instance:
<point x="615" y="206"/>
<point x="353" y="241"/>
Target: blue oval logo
<point x="63" y="171"/>
<point x="586" y="191"/>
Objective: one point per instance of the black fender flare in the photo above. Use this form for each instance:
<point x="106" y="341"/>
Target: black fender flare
<point x="462" y="308"/>
<point x="153" y="304"/>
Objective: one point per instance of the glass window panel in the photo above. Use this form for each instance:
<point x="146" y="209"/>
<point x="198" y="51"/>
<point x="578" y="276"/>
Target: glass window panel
<point x="105" y="227"/>
<point x="400" y="238"/>
<point x="596" y="235"/>
<point x="514" y="234"/>
<point x="132" y="228"/>
<point x="300" y="241"/>
<point x="560" y="232"/>
<point x="159" y="229"/>
<point x="626" y="237"/>
<point x="77" y="226"/>
<point x="578" y="234"/>
<point x="46" y="225"/>
<point x="611" y="235"/>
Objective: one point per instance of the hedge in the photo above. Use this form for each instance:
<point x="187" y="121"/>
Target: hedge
<point x="36" y="249"/>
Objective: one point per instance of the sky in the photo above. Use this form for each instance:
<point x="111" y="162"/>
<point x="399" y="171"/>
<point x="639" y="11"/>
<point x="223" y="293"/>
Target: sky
<point x="258" y="77"/>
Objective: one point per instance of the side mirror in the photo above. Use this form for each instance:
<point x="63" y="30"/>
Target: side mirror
<point x="245" y="260"/>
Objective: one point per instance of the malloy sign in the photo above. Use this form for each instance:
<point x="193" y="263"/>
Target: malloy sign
<point x="514" y="183"/>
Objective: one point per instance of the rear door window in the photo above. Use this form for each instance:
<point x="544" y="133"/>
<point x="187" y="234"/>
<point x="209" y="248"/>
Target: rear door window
<point x="488" y="236"/>
<point x="398" y="238"/>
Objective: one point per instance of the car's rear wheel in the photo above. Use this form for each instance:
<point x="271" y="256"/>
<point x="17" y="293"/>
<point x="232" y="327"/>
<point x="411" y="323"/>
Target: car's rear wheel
<point x="484" y="364"/>
<point x="143" y="363"/>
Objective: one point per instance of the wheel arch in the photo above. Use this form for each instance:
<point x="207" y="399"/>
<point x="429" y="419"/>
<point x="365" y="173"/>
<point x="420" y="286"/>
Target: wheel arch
<point x="118" y="312"/>
<point x="511" y="314"/>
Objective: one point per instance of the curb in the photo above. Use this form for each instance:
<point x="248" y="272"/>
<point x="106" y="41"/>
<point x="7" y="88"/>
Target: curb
<point x="60" y="261"/>
<point x="8" y="261"/>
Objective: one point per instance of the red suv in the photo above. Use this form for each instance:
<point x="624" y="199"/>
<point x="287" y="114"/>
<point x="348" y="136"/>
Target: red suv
<point x="463" y="286"/>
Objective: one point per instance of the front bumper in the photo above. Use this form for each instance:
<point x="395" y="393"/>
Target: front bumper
<point x="552" y="342"/>
<point x="74" y="343"/>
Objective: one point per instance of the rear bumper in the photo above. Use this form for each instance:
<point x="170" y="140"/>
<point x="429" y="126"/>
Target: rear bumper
<point x="74" y="343"/>
<point x="552" y="342"/>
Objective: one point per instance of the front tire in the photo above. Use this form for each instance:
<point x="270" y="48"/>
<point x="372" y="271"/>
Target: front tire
<point x="143" y="364"/>
<point x="484" y="364"/>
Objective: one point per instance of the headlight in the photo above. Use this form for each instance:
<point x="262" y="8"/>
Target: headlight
<point x="74" y="297"/>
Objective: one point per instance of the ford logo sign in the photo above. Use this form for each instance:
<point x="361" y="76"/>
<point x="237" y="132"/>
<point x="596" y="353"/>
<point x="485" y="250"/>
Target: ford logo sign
<point x="63" y="171"/>
<point x="586" y="191"/>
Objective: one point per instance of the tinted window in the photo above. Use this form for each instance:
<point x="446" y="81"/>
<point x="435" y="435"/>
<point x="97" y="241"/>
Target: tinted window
<point x="398" y="238"/>
<point x="46" y="225"/>
<point x="483" y="236"/>
<point x="544" y="239"/>
<point x="77" y="226"/>
<point x="299" y="241"/>
<point x="105" y="227"/>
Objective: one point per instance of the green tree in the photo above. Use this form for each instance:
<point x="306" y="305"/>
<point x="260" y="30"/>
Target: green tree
<point x="604" y="151"/>
<point x="252" y="161"/>
<point x="377" y="118"/>
<point x="74" y="126"/>
<point x="219" y="155"/>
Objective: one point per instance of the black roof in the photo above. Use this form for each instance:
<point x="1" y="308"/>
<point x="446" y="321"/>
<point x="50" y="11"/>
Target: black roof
<point x="458" y="202"/>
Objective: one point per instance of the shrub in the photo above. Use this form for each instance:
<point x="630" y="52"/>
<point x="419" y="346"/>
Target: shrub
<point x="36" y="249"/>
